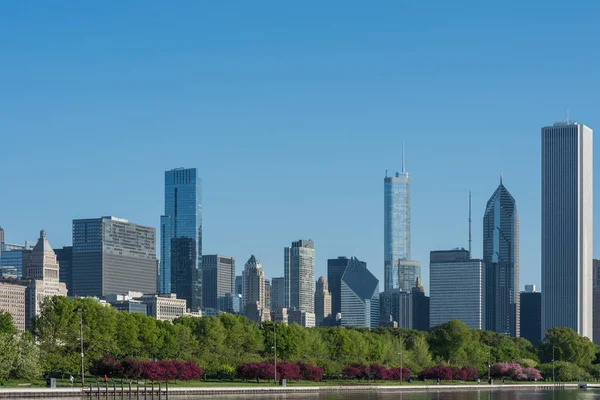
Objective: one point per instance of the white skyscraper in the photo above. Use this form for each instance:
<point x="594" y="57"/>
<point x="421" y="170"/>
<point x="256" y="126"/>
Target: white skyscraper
<point x="299" y="274"/>
<point x="567" y="231"/>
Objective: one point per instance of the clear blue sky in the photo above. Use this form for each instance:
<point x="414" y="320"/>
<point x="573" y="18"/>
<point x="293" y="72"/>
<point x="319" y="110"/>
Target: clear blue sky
<point x="292" y="113"/>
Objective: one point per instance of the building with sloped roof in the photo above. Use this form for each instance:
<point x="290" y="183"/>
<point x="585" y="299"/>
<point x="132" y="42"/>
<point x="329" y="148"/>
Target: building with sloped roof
<point x="360" y="296"/>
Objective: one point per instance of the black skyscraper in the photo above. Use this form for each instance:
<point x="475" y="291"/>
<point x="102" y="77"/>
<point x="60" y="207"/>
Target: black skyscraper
<point x="531" y="316"/>
<point x="335" y="270"/>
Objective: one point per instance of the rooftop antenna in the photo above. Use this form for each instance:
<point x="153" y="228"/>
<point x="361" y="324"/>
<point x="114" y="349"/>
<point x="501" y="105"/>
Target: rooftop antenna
<point x="469" y="224"/>
<point x="567" y="116"/>
<point x="403" y="165"/>
<point x="386" y="173"/>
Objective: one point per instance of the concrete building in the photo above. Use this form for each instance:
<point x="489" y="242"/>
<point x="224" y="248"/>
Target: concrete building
<point x="457" y="288"/>
<point x="302" y="318"/>
<point x="164" y="307"/>
<point x="277" y="293"/>
<point x="335" y="271"/>
<point x="531" y="315"/>
<point x="218" y="278"/>
<point x="567" y="231"/>
<point x="42" y="272"/>
<point x="256" y="313"/>
<point x="111" y="256"/>
<point x="64" y="257"/>
<point x="322" y="301"/>
<point x="267" y="293"/>
<point x="420" y="304"/>
<point x="501" y="258"/>
<point x="254" y="284"/>
<point x="127" y="302"/>
<point x="181" y="237"/>
<point x="360" y="296"/>
<point x="231" y="303"/>
<point x="299" y="274"/>
<point x="12" y="301"/>
<point x="395" y="306"/>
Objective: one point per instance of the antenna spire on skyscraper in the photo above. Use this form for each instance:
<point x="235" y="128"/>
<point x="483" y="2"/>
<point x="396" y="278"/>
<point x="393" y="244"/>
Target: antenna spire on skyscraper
<point x="403" y="161"/>
<point x="470" y="224"/>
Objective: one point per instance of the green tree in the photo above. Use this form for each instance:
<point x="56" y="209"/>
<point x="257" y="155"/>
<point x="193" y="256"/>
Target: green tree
<point x="450" y="341"/>
<point x="6" y="323"/>
<point x="8" y="355"/>
<point x="568" y="346"/>
<point x="27" y="362"/>
<point x="563" y="371"/>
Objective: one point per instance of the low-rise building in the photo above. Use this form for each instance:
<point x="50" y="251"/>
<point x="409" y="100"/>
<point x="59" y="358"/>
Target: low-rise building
<point x="302" y="318"/>
<point x="12" y="301"/>
<point x="164" y="307"/>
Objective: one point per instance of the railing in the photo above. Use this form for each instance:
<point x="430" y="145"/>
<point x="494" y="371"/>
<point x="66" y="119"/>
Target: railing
<point x="122" y="392"/>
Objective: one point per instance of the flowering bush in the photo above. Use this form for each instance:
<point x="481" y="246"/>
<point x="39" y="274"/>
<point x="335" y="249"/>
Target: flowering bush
<point x="376" y="371"/>
<point x="310" y="372"/>
<point x="394" y="374"/>
<point x="106" y="365"/>
<point x="379" y="372"/>
<point x="286" y="370"/>
<point x="256" y="370"/>
<point x="170" y="370"/>
<point x="514" y="371"/>
<point x="532" y="374"/>
<point x="355" y="371"/>
<point x="442" y="372"/>
<point x="131" y="369"/>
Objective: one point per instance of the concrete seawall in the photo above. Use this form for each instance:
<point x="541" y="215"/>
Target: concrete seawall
<point x="177" y="392"/>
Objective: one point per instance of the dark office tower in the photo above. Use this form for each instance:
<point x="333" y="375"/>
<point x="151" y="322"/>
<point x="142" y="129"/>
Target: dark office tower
<point x="218" y="277"/>
<point x="531" y="315"/>
<point x="1" y="239"/>
<point x="335" y="270"/>
<point x="64" y="257"/>
<point x="277" y="293"/>
<point x="420" y="304"/>
<point x="567" y="227"/>
<point x="501" y="257"/>
<point x="360" y="296"/>
<point x="239" y="284"/>
<point x="112" y="256"/>
<point x="181" y="237"/>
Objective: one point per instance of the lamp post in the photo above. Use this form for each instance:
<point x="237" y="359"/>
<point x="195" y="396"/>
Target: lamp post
<point x="489" y="366"/>
<point x="275" y="347"/>
<point x="401" y="364"/>
<point x="81" y="311"/>
<point x="552" y="364"/>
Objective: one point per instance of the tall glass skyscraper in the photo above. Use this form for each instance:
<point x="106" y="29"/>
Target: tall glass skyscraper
<point x="501" y="257"/>
<point x="398" y="273"/>
<point x="181" y="237"/>
<point x="567" y="227"/>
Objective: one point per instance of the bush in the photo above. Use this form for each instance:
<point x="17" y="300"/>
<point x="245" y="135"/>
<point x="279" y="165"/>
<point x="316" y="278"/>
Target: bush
<point x="256" y="370"/>
<point x="532" y="374"/>
<point x="394" y="374"/>
<point x="441" y="372"/>
<point x="563" y="371"/>
<point x="131" y="369"/>
<point x="310" y="372"/>
<point x="355" y="371"/>
<point x="106" y="365"/>
<point x="379" y="372"/>
<point x="287" y="370"/>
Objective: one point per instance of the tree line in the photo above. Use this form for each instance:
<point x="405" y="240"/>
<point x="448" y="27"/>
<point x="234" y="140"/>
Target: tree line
<point x="221" y="345"/>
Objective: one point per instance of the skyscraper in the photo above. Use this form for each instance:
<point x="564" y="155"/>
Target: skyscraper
<point x="112" y="256"/>
<point x="218" y="276"/>
<point x="267" y="305"/>
<point x="531" y="315"/>
<point x="400" y="271"/>
<point x="253" y="292"/>
<point x="420" y="307"/>
<point x="181" y="237"/>
<point x="457" y="288"/>
<point x="277" y="293"/>
<point x="501" y="257"/>
<point x="299" y="274"/>
<point x="64" y="257"/>
<point x="1" y="239"/>
<point x="43" y="271"/>
<point x="360" y="296"/>
<point x="335" y="271"/>
<point x="322" y="301"/>
<point x="567" y="234"/>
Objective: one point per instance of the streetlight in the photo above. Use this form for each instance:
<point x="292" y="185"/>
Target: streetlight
<point x="552" y="364"/>
<point x="81" y="311"/>
<point x="489" y="366"/>
<point x="275" y="347"/>
<point x="401" y="362"/>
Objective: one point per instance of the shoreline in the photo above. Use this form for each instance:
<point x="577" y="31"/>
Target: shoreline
<point x="255" y="391"/>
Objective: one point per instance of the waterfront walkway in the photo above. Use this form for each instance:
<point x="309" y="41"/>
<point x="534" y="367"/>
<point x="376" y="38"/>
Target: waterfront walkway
<point x="147" y="392"/>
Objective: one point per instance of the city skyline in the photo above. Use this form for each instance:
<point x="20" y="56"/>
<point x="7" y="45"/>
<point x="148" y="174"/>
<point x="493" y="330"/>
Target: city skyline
<point x="104" y="131"/>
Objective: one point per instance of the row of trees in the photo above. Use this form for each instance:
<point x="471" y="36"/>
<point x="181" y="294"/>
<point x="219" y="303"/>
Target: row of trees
<point x="19" y="356"/>
<point x="222" y="344"/>
<point x="164" y="370"/>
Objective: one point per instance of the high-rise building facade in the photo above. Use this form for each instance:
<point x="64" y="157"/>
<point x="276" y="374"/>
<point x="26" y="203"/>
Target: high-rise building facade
<point x="42" y="270"/>
<point x="567" y="234"/>
<point x="531" y="315"/>
<point x="457" y="288"/>
<point x="267" y="294"/>
<point x="253" y="292"/>
<point x="1" y="240"/>
<point x="181" y="237"/>
<point x="218" y="277"/>
<point x="64" y="257"/>
<point x="501" y="257"/>
<point x="335" y="271"/>
<point x="277" y="293"/>
<point x="112" y="256"/>
<point x="360" y="296"/>
<point x="420" y="304"/>
<point x="401" y="275"/>
<point x="239" y="283"/>
<point x="299" y="274"/>
<point x="15" y="256"/>
<point x="322" y="301"/>
<point x="12" y="301"/>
